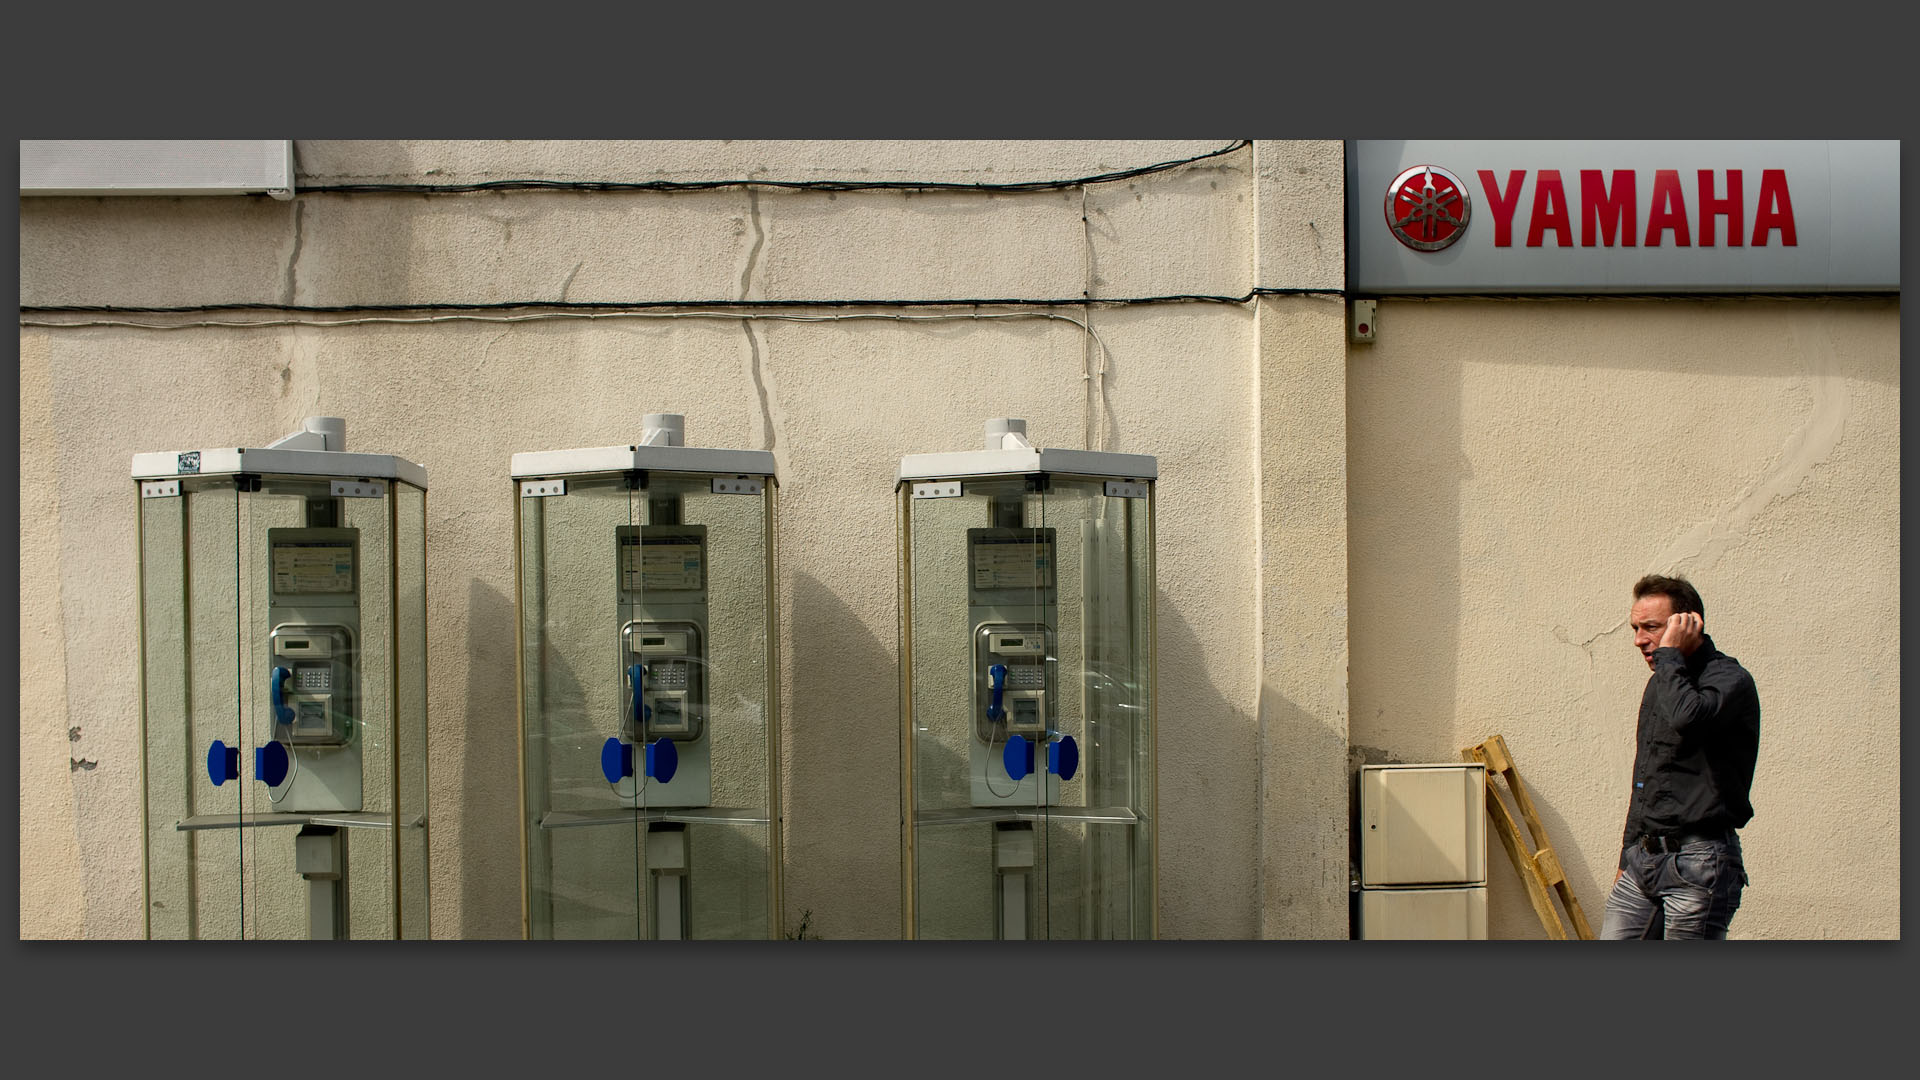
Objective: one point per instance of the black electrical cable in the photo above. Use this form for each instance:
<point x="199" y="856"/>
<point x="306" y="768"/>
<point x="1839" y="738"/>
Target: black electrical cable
<point x="787" y="185"/>
<point x="642" y="305"/>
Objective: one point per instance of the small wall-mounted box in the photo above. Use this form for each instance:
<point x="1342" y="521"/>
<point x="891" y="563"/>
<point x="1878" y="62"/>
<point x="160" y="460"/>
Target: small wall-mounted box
<point x="1361" y="317"/>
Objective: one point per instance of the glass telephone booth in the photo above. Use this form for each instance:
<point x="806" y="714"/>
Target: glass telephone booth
<point x="1027" y="745"/>
<point x="649" y="689"/>
<point x="283" y="690"/>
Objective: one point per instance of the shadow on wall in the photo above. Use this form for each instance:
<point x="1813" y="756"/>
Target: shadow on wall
<point x="1504" y="881"/>
<point x="1209" y="776"/>
<point x="1405" y="563"/>
<point x="840" y="774"/>
<point x="489" y="854"/>
<point x="1303" y="863"/>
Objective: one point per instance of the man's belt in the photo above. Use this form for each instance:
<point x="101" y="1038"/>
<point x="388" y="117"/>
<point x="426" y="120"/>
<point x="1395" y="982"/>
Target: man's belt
<point x="1671" y="843"/>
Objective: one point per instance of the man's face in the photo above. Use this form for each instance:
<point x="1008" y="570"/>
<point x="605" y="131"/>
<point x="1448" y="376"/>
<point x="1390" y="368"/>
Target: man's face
<point x="1649" y="621"/>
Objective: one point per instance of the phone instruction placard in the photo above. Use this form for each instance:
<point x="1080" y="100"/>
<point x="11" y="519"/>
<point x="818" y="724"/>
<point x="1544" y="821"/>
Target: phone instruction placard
<point x="308" y="569"/>
<point x="1012" y="562"/>
<point x="653" y="563"/>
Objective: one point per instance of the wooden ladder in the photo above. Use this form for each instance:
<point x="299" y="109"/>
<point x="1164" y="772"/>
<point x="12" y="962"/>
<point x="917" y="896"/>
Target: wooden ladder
<point x="1539" y="867"/>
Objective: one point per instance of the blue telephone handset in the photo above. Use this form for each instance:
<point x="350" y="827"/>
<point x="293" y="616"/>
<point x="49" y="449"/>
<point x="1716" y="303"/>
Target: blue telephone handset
<point x="637" y="675"/>
<point x="997" y="682"/>
<point x="282" y="712"/>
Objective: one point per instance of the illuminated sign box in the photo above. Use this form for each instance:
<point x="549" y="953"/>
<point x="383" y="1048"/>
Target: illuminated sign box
<point x="1464" y="217"/>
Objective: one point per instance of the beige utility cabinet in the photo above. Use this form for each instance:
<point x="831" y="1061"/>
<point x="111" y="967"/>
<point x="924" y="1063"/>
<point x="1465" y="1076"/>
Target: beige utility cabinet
<point x="1423" y="851"/>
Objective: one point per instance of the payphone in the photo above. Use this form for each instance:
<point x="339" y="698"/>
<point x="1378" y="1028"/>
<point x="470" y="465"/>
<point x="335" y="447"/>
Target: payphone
<point x="1027" y="691"/>
<point x="283" y="621"/>
<point x="662" y="621"/>
<point x="648" y="695"/>
<point x="1012" y="607"/>
<point x="311" y="756"/>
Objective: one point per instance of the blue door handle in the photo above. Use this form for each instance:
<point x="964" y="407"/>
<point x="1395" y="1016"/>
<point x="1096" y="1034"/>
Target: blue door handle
<point x="223" y="763"/>
<point x="658" y="760"/>
<point x="1063" y="757"/>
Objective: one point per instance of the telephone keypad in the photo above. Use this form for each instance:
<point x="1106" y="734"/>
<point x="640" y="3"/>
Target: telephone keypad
<point x="1026" y="677"/>
<point x="667" y="676"/>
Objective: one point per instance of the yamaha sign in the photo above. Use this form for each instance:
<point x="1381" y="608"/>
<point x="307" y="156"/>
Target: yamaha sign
<point x="1598" y="217"/>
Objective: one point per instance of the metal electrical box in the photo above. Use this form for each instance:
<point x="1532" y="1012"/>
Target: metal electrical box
<point x="1423" y="851"/>
<point x="1424" y="914"/>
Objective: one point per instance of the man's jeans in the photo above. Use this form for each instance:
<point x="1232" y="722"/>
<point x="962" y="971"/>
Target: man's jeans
<point x="1689" y="893"/>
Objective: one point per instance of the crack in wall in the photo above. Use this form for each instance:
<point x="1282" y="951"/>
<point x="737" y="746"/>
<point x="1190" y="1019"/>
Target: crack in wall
<point x="756" y="367"/>
<point x="1593" y="661"/>
<point x="1806" y="449"/>
<point x="288" y="289"/>
<point x="1560" y="635"/>
<point x="301" y="369"/>
<point x="486" y="350"/>
<point x="568" y="284"/>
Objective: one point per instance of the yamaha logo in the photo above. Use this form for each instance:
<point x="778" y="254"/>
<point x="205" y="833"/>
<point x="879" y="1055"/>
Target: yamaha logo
<point x="1428" y="208"/>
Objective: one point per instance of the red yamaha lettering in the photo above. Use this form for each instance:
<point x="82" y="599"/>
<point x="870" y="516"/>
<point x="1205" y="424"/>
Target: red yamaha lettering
<point x="1550" y="210"/>
<point x="1609" y="211"/>
<point x="1427" y="208"/>
<point x="1730" y="207"/>
<point x="1669" y="210"/>
<point x="1776" y="210"/>
<point x="1609" y="215"/>
<point x="1502" y="203"/>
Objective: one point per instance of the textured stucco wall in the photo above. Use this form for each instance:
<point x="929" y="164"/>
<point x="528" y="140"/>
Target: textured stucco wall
<point x="50" y="759"/>
<point x="837" y="402"/>
<point x="1516" y="465"/>
<point x="1366" y="553"/>
<point x="1301" y="549"/>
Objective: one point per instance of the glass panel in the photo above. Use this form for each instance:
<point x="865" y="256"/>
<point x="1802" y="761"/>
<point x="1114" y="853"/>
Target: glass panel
<point x="371" y="853"/>
<point x="583" y="855"/>
<point x="269" y="623"/>
<point x="685" y="854"/>
<point x="165" y="737"/>
<point x="315" y="701"/>
<point x="189" y="641"/>
<point x="410" y="706"/>
<point x="983" y="632"/>
<point x="1139" y="704"/>
<point x="216" y="650"/>
<point x="1029" y="622"/>
<point x="729" y="866"/>
<point x="1098" y="838"/>
<point x="727" y="881"/>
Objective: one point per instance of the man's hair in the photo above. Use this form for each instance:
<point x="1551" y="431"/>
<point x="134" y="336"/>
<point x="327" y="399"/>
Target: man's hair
<point x="1678" y="590"/>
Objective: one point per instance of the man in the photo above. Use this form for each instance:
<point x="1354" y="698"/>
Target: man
<point x="1680" y="872"/>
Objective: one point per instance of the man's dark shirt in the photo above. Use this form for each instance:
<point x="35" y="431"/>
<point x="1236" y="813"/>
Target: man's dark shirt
<point x="1698" y="739"/>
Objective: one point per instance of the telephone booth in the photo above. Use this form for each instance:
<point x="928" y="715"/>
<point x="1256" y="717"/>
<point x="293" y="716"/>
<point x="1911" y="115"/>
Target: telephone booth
<point x="649" y="689"/>
<point x="1027" y="740"/>
<point x="283" y="663"/>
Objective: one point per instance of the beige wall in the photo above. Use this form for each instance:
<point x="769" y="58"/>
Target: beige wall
<point x="837" y="402"/>
<point x="1464" y="501"/>
<point x="1514" y="466"/>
